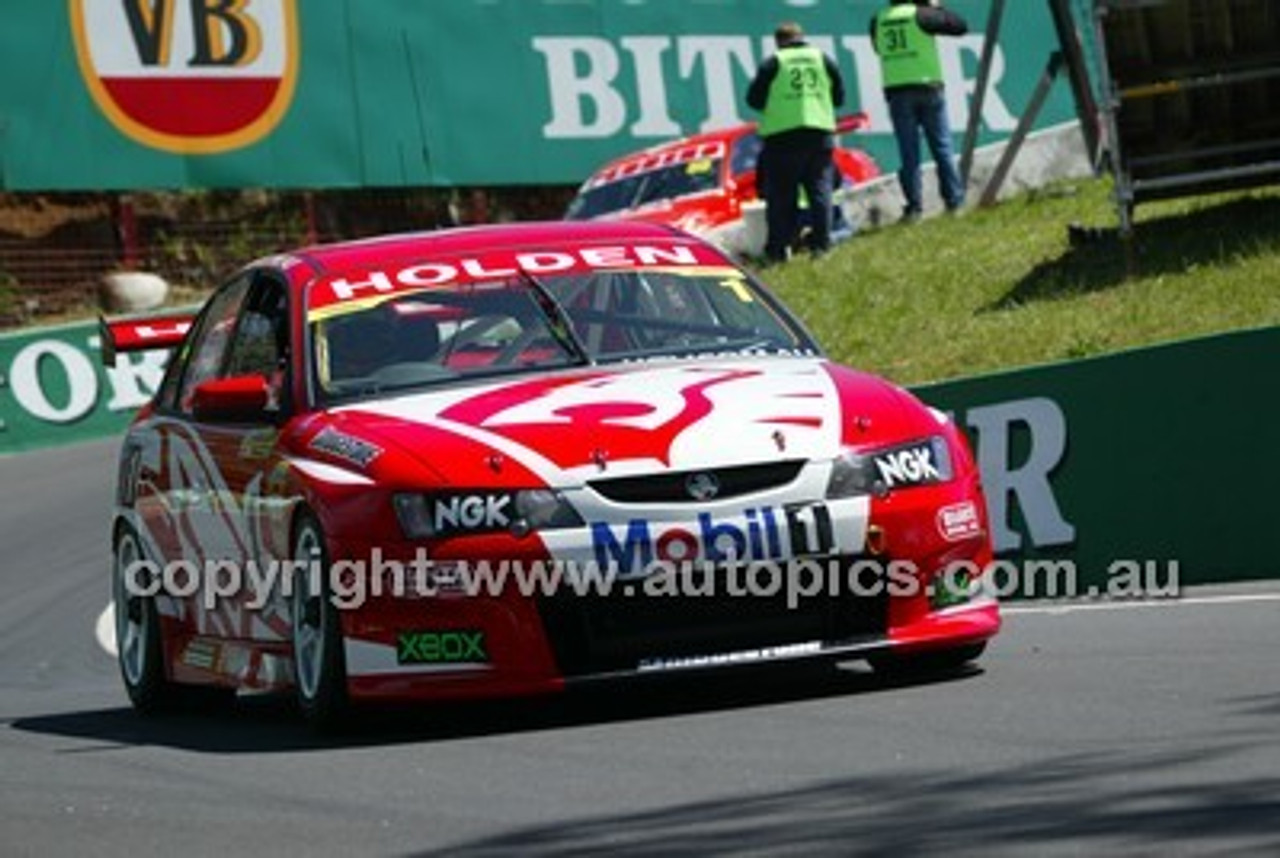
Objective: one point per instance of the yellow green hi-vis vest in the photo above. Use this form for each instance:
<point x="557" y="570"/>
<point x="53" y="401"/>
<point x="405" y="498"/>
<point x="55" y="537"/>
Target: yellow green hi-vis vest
<point x="800" y="95"/>
<point x="908" y="55"/>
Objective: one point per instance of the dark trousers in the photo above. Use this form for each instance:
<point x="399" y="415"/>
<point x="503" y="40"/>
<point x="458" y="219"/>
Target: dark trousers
<point x="916" y="109"/>
<point x="790" y="162"/>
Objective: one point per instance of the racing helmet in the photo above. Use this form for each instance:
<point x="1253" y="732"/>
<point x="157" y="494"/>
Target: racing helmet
<point x="360" y="343"/>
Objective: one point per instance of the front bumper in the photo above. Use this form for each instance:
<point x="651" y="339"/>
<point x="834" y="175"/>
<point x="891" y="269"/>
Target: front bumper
<point x="535" y="641"/>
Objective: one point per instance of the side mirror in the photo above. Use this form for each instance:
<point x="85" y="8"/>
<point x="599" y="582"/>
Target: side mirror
<point x="238" y="399"/>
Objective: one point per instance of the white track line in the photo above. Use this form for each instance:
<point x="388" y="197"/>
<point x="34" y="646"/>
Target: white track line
<point x="1175" y="602"/>
<point x="105" y="629"/>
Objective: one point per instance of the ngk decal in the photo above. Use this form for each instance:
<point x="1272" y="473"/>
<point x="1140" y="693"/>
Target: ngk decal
<point x="189" y="76"/>
<point x="909" y="466"/>
<point x="472" y="512"/>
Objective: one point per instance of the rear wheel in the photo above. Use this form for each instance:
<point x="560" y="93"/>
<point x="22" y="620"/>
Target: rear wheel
<point x="319" y="665"/>
<point x="139" y="646"/>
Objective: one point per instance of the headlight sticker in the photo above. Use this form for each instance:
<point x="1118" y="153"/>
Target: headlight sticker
<point x="472" y="512"/>
<point x="478" y="511"/>
<point x="920" y="464"/>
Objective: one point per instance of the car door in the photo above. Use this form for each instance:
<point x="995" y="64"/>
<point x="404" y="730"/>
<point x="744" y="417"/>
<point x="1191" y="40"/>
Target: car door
<point x="215" y="472"/>
<point x="165" y="473"/>
<point x="243" y="526"/>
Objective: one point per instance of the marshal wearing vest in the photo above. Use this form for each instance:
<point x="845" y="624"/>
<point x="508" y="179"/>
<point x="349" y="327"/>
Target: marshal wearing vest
<point x="800" y="95"/>
<point x="905" y="36"/>
<point x="797" y="91"/>
<point x="908" y="55"/>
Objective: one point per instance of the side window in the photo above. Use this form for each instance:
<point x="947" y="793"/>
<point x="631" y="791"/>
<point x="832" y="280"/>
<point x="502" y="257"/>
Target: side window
<point x="209" y="346"/>
<point x="261" y="342"/>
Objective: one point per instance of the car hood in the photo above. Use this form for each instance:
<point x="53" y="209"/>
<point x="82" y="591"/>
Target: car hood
<point x="565" y="428"/>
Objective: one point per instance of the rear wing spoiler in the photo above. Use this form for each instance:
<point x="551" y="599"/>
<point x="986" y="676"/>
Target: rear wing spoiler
<point x="142" y="333"/>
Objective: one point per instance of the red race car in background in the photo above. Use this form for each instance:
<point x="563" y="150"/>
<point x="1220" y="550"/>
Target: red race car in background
<point x="706" y="185"/>
<point x="495" y="461"/>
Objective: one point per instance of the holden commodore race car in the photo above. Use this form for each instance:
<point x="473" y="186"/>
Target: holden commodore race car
<point x="502" y="460"/>
<point x="707" y="184"/>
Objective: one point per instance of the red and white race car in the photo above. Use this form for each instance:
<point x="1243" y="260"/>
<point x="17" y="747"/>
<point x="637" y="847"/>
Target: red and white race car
<point x="495" y="461"/>
<point x="706" y="184"/>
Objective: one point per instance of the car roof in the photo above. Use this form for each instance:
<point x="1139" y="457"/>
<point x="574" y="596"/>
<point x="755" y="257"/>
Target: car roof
<point x="383" y="250"/>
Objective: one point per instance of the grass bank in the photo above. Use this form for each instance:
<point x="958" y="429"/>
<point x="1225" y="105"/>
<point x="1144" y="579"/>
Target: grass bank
<point x="1005" y="287"/>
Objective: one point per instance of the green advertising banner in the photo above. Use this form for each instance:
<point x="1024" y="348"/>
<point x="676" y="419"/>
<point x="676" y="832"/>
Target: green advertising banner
<point x="55" y="390"/>
<point x="1153" y="462"/>
<point x="146" y="94"/>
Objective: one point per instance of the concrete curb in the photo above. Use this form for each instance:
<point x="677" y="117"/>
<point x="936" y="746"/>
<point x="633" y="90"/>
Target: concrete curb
<point x="1047" y="156"/>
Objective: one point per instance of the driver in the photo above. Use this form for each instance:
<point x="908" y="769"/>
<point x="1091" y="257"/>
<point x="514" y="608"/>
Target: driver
<point x="361" y="343"/>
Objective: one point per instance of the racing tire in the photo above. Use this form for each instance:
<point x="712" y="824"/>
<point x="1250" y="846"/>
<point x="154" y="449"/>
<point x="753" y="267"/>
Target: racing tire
<point x="941" y="661"/>
<point x="319" y="663"/>
<point x="139" y="645"/>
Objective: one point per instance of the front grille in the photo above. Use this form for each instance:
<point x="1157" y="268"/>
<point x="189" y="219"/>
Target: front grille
<point x="673" y="487"/>
<point x="619" y="632"/>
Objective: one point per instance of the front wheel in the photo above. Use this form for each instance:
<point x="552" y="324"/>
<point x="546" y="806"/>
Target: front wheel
<point x="319" y="665"/>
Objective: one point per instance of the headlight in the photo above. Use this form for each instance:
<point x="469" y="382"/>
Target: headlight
<point x="423" y="516"/>
<point x="414" y="516"/>
<point x="853" y="474"/>
<point x="545" y="509"/>
<point x="920" y="463"/>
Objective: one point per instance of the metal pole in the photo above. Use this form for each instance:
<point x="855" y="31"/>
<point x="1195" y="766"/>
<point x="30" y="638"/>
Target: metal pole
<point x="1111" y="148"/>
<point x="980" y="89"/>
<point x="1024" y="127"/>
<point x="1078" y="75"/>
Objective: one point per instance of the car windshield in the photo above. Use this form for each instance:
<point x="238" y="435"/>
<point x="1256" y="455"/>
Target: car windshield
<point x="668" y="182"/>
<point x="443" y="335"/>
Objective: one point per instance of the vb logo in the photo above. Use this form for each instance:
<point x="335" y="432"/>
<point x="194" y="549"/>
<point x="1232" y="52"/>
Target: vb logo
<point x="189" y="76"/>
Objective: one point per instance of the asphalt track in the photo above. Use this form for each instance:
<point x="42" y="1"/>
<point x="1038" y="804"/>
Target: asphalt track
<point x="1142" y="731"/>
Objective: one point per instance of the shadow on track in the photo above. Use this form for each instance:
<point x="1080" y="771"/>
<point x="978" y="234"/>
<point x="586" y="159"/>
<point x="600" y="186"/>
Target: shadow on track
<point x="259" y="725"/>
<point x="1130" y="803"/>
